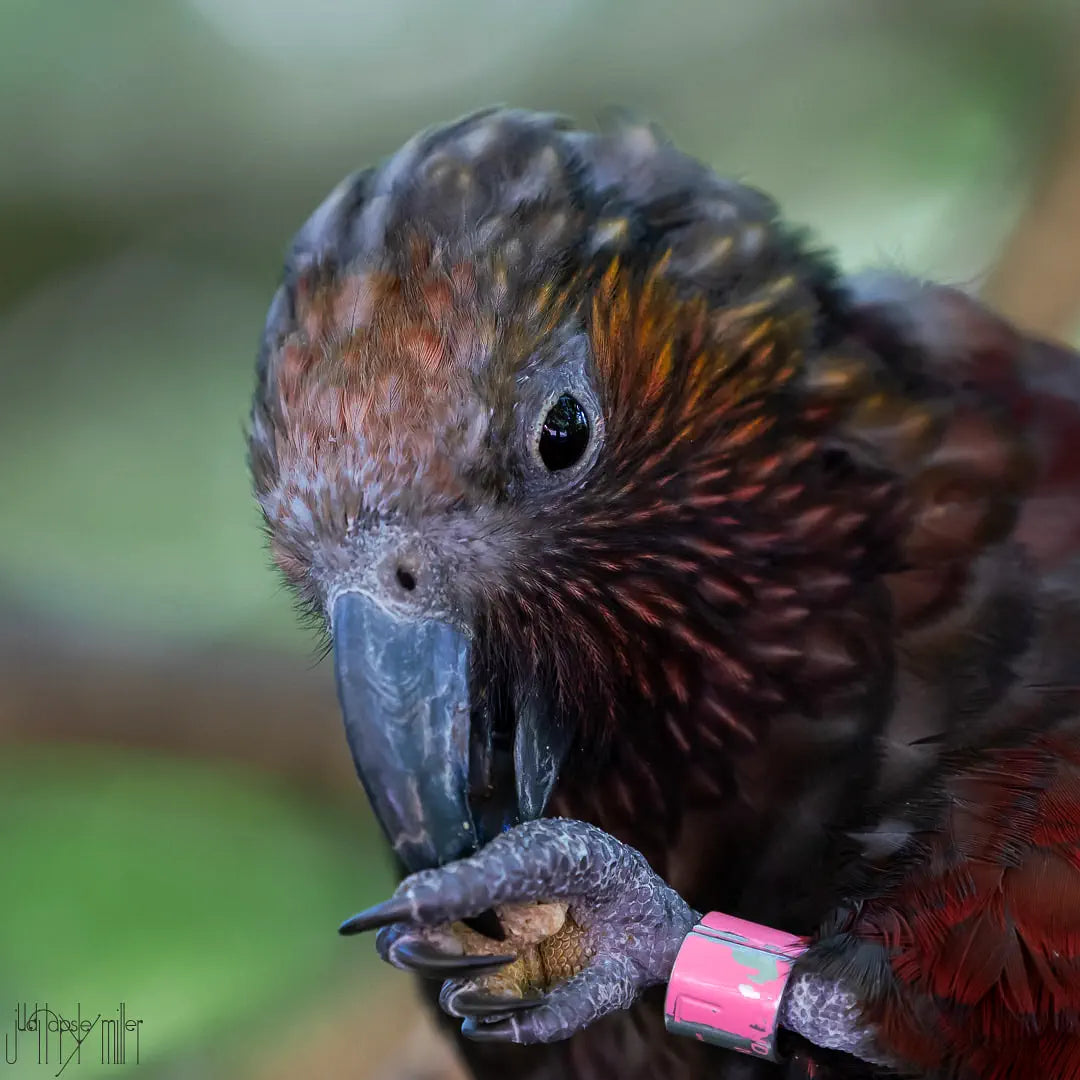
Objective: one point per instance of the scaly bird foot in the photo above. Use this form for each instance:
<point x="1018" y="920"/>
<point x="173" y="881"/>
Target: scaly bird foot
<point x="588" y="926"/>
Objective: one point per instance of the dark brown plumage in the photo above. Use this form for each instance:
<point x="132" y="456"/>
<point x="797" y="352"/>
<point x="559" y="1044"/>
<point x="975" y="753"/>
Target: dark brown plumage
<point x="807" y="604"/>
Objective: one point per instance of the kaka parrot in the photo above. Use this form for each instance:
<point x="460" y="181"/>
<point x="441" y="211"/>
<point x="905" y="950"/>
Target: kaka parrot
<point x="667" y="570"/>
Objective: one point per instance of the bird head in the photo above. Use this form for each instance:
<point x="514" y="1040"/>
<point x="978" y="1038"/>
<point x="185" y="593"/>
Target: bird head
<point x="548" y="430"/>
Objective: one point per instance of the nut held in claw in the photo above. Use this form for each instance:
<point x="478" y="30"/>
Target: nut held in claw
<point x="550" y="948"/>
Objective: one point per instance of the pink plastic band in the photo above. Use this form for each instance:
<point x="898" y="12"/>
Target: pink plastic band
<point x="727" y="983"/>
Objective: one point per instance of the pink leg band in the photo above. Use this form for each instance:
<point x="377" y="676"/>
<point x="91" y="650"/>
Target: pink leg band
<point x="727" y="983"/>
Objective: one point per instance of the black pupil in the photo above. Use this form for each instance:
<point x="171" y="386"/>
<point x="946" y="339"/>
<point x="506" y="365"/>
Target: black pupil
<point x="565" y="434"/>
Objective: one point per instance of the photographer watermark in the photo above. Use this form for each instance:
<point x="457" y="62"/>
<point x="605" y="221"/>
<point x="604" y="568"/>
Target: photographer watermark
<point x="43" y="1035"/>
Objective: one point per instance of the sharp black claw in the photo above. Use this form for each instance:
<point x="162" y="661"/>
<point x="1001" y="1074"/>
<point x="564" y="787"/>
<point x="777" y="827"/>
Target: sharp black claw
<point x="500" y="1031"/>
<point x="426" y="959"/>
<point x="396" y="909"/>
<point x="476" y="1003"/>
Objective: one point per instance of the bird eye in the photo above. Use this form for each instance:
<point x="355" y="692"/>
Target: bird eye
<point x="564" y="434"/>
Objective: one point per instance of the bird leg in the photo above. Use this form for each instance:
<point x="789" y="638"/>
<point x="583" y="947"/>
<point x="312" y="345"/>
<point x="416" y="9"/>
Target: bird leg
<point x="588" y="926"/>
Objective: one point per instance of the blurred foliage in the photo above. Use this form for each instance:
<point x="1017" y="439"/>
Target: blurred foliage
<point x="202" y="897"/>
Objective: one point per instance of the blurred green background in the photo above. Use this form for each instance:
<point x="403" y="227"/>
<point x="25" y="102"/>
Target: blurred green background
<point x="180" y="829"/>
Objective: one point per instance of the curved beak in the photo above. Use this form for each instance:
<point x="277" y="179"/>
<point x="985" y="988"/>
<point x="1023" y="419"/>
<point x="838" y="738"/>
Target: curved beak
<point x="426" y="742"/>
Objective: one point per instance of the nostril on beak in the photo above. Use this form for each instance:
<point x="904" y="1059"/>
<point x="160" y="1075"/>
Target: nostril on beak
<point x="406" y="579"/>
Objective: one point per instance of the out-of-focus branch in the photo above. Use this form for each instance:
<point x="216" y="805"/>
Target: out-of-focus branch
<point x="253" y="708"/>
<point x="1036" y="282"/>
